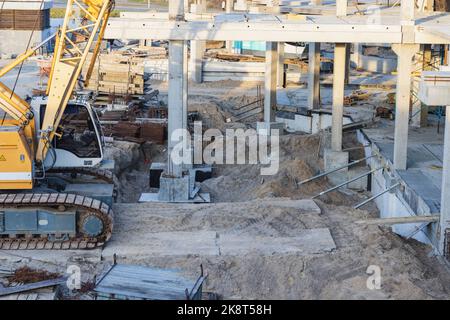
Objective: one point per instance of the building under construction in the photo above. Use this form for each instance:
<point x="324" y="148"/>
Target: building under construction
<point x="292" y="149"/>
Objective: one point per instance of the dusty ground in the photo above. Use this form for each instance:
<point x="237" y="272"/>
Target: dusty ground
<point x="408" y="269"/>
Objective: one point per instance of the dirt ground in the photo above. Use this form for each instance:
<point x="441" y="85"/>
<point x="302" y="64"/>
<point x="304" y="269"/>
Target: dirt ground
<point x="409" y="270"/>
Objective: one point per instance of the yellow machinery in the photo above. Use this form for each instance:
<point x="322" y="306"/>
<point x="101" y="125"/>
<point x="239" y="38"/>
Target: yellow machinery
<point x="38" y="138"/>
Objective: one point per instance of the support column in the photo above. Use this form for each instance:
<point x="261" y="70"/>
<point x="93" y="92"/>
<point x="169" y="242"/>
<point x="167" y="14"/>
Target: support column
<point x="347" y="63"/>
<point x="341" y="8"/>
<point x="229" y="9"/>
<point x="177" y="85"/>
<point x="357" y="52"/>
<point x="404" y="52"/>
<point x="407" y="10"/>
<point x="270" y="84"/>
<point x="270" y="90"/>
<point x="419" y="112"/>
<point x="445" y="191"/>
<point x="335" y="157"/>
<point x="314" y="75"/>
<point x="198" y="48"/>
<point x="280" y="66"/>
<point x="338" y="96"/>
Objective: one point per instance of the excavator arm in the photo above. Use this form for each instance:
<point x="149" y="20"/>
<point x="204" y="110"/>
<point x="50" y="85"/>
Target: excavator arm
<point x="74" y="41"/>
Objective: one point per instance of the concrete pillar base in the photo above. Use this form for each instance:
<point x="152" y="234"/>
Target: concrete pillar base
<point x="265" y="128"/>
<point x="334" y="159"/>
<point x="174" y="189"/>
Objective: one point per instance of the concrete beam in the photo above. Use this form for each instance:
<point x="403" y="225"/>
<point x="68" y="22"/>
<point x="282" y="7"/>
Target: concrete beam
<point x="445" y="189"/>
<point x="322" y="30"/>
<point x="338" y="96"/>
<point x="404" y="52"/>
<point x="314" y="75"/>
<point x="270" y="85"/>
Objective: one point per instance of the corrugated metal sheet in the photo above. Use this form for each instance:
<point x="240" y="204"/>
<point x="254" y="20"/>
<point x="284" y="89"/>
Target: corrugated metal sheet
<point x="138" y="282"/>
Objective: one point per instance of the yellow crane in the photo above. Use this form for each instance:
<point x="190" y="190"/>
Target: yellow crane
<point x="37" y="139"/>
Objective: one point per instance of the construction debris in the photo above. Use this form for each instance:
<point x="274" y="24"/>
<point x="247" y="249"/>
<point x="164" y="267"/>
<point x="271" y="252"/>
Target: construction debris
<point x="125" y="282"/>
<point x="29" y="275"/>
<point x="119" y="73"/>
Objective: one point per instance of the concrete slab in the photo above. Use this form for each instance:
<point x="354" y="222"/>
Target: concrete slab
<point x="210" y="243"/>
<point x="62" y="257"/>
<point x="309" y="241"/>
<point x="177" y="243"/>
<point x="424" y="188"/>
<point x="200" y="197"/>
<point x="304" y="205"/>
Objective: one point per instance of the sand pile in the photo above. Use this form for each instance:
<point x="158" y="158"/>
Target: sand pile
<point x="299" y="160"/>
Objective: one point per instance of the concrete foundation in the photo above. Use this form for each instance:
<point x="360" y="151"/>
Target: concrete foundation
<point x="334" y="159"/>
<point x="265" y="128"/>
<point x="174" y="189"/>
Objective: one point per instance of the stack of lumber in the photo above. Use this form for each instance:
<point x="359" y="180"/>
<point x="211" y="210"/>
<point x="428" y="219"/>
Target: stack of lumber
<point x="118" y="73"/>
<point x="24" y="19"/>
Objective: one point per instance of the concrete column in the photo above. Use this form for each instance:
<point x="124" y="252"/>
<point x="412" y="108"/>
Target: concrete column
<point x="404" y="52"/>
<point x="347" y="63"/>
<point x="341" y="8"/>
<point x="338" y="96"/>
<point x="280" y="66"/>
<point x="314" y="75"/>
<point x="407" y="10"/>
<point x="357" y="52"/>
<point x="419" y="112"/>
<point x="270" y="84"/>
<point x="197" y="49"/>
<point x="177" y="94"/>
<point x="445" y="191"/>
<point x="228" y="9"/>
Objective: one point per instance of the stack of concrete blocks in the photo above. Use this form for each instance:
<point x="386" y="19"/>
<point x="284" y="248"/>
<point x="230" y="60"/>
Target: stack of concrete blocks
<point x="13" y="41"/>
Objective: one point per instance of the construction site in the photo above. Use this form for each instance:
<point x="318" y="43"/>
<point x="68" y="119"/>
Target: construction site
<point x="224" y="150"/>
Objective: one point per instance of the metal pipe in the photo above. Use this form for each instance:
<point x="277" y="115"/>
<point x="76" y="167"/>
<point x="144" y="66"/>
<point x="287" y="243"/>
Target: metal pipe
<point x="376" y="196"/>
<point x="334" y="170"/>
<point x="346" y="182"/>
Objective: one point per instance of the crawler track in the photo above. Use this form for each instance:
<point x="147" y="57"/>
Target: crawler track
<point x="85" y="206"/>
<point x="101" y="174"/>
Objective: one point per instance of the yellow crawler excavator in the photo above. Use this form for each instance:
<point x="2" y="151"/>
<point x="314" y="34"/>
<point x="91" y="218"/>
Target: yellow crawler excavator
<point x="55" y="135"/>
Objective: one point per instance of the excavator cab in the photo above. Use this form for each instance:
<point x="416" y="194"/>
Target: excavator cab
<point x="78" y="140"/>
